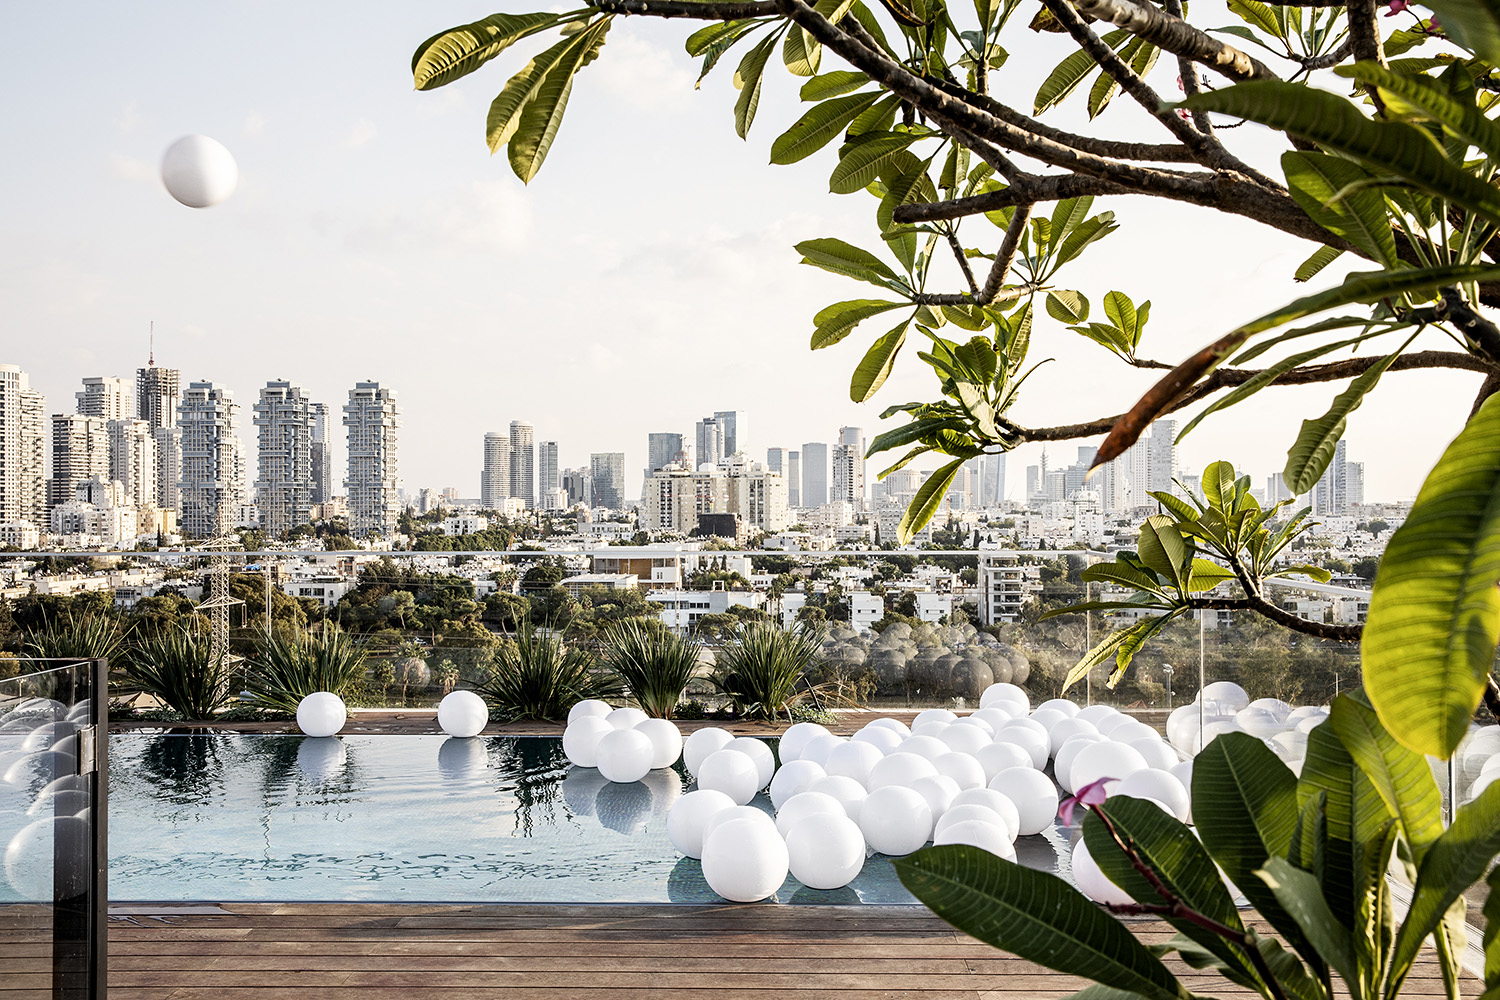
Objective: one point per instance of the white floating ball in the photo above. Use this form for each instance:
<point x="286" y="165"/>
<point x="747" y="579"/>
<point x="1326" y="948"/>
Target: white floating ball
<point x="321" y="713"/>
<point x="626" y="718"/>
<point x="1048" y="717"/>
<point x="972" y="812"/>
<point x="199" y="172"/>
<point x="689" y="815"/>
<point x="974" y="833"/>
<point x="790" y="747"/>
<point x="1132" y="731"/>
<point x="1182" y="725"/>
<point x="792" y="778"/>
<point x="924" y="746"/>
<point x="1155" y="750"/>
<point x="1008" y="694"/>
<point x="998" y="756"/>
<point x="666" y="741"/>
<point x="701" y="743"/>
<point x="1110" y="723"/>
<point x="825" y="851"/>
<point x="1280" y="709"/>
<point x="803" y="805"/>
<point x="895" y="820"/>
<point x="462" y="714"/>
<point x="932" y="729"/>
<point x="1159" y="785"/>
<point x="850" y="793"/>
<point x="966" y="739"/>
<point x="1096" y="713"/>
<point x="880" y="737"/>
<point x="1290" y="746"/>
<point x="749" y="813"/>
<point x="1036" y="745"/>
<point x="624" y="755"/>
<point x="1034" y="796"/>
<point x="1063" y="705"/>
<point x="853" y="760"/>
<point x="992" y="800"/>
<point x="939" y="790"/>
<point x="894" y="725"/>
<point x="581" y="739"/>
<point x="819" y="747"/>
<point x="970" y="720"/>
<point x="588" y="707"/>
<point x="1091" y="881"/>
<point x="744" y="861"/>
<point x="963" y="768"/>
<point x="995" y="716"/>
<point x="760" y="753"/>
<point x="1104" y="760"/>
<point x="1066" y="730"/>
<point x="1307" y="725"/>
<point x="899" y="769"/>
<point x="1259" y="722"/>
<point x="1227" y="695"/>
<point x="933" y="715"/>
<point x="731" y="772"/>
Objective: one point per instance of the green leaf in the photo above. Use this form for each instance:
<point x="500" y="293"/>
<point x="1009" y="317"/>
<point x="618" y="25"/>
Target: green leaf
<point x="1035" y="915"/>
<point x="875" y="367"/>
<point x="1068" y="74"/>
<point x="1312" y="451"/>
<point x="1298" y="893"/>
<point x="914" y="431"/>
<point x="1456" y="860"/>
<point x="1353" y="814"/>
<point x="457" y="52"/>
<point x="834" y="84"/>
<point x="1085" y="233"/>
<point x="862" y="162"/>
<point x="1461" y="118"/>
<point x="1258" y="14"/>
<point x="1399" y="775"/>
<point x="1121" y="312"/>
<point x="1320" y="258"/>
<point x="1067" y="306"/>
<point x="543" y="114"/>
<point x="822" y="123"/>
<point x="748" y="79"/>
<point x="1316" y="179"/>
<point x="1338" y="124"/>
<point x="928" y="499"/>
<point x="520" y="90"/>
<point x="801" y="52"/>
<point x="1123" y="574"/>
<point x="715" y="40"/>
<point x="1435" y="614"/>
<point x="1162" y="547"/>
<point x="835" y="255"/>
<point x="1140" y="55"/>
<point x="1474" y="24"/>
<point x="833" y="323"/>
<point x="1207" y="575"/>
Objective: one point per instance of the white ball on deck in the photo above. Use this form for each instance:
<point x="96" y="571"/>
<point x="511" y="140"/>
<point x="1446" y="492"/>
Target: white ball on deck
<point x="995" y="716"/>
<point x="1066" y="730"/>
<point x="731" y="772"/>
<point x="1091" y="881"/>
<point x="737" y="812"/>
<point x="588" y="707"/>
<point x="666" y="741"/>
<point x="825" y="851"/>
<point x="972" y="812"/>
<point x="965" y="771"/>
<point x="929" y="747"/>
<point x="462" y="714"/>
<point x="624" y="755"/>
<point x="760" y="753"/>
<point x="1096" y="713"/>
<point x="820" y="746"/>
<point x="975" y="833"/>
<point x="970" y="720"/>
<point x="745" y="861"/>
<point x="1037" y="745"/>
<point x="894" y="725"/>
<point x="690" y="814"/>
<point x="1132" y="731"/>
<point x="1162" y="786"/>
<point x="966" y="739"/>
<point x="1105" y="760"/>
<point x="895" y="820"/>
<point x="1156" y="751"/>
<point x="933" y="715"/>
<point x="853" y="760"/>
<point x="321" y="713"/>
<point x="793" y="778"/>
<point x="796" y="736"/>
<point x="1063" y="705"/>
<point x="938" y="790"/>
<point x="992" y="800"/>
<point x="1048" y="717"/>
<point x="899" y="769"/>
<point x="884" y="739"/>
<point x="1034" y="796"/>
<point x="1062" y="761"/>
<point x="626" y="718"/>
<point x="803" y="805"/>
<point x="1227" y="695"/>
<point x="199" y="172"/>
<point x="1004" y="694"/>
<point x="998" y="756"/>
<point x="700" y="744"/>
<point x="850" y="793"/>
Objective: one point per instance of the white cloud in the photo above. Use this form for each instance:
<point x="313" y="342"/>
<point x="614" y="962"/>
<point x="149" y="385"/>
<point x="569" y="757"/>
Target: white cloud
<point x="361" y="134"/>
<point x="132" y="168"/>
<point x="255" y="124"/>
<point x="130" y="117"/>
<point x="642" y="74"/>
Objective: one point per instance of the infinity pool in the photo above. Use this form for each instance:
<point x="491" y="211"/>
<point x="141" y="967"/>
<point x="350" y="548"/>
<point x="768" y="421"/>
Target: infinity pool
<point x="240" y="818"/>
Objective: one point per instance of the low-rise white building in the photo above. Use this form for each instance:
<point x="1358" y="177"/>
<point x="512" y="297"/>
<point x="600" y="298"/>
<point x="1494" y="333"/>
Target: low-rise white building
<point x="20" y="534"/>
<point x="865" y="609"/>
<point x="1005" y="585"/>
<point x="464" y="524"/>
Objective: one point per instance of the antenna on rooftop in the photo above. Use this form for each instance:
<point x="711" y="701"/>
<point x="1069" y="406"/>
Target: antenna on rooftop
<point x="151" y="357"/>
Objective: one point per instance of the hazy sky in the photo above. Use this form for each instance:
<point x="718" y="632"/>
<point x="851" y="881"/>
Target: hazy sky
<point x="645" y="279"/>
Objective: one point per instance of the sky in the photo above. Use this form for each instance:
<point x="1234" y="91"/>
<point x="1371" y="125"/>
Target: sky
<point x="643" y="280"/>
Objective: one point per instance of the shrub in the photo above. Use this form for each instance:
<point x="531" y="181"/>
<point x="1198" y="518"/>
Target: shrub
<point x="761" y="664"/>
<point x="539" y="678"/>
<point x="287" y="669"/>
<point x="177" y="668"/>
<point x="67" y="638"/>
<point x="654" y="664"/>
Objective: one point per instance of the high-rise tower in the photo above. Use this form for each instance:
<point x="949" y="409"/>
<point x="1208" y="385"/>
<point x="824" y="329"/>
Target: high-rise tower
<point x="133" y="460"/>
<point x="104" y="397"/>
<point x="546" y="469"/>
<point x="814" y="491"/>
<point x="157" y="394"/>
<point x="283" y="490"/>
<point x="730" y="423"/>
<point x="372" y="418"/>
<point x="710" y="435"/>
<point x="494" y="479"/>
<point x="212" y="476"/>
<point x="523" y="462"/>
<point x="80" y="451"/>
<point x="320" y="453"/>
<point x="662" y="449"/>
<point x="607" y="470"/>
<point x="849" y="467"/>
<point x="23" y="495"/>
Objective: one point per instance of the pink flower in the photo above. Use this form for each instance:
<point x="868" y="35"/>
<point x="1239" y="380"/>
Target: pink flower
<point x="1180" y="86"/>
<point x="1397" y="6"/>
<point x="1184" y="114"/>
<point x="1089" y="795"/>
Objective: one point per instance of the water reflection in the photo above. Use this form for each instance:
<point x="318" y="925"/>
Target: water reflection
<point x="185" y="768"/>
<point x="321" y="760"/>
<point x="530" y="768"/>
<point x="462" y="762"/>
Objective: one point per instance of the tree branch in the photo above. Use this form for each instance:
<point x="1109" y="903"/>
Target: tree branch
<point x="1329" y="59"/>
<point x="1480" y="332"/>
<point x="1173" y="34"/>
<point x="963" y="261"/>
<point x="1187" y="76"/>
<point x="1006" y="255"/>
<point x="1046" y="187"/>
<point x="708" y="11"/>
<point x="1160" y="153"/>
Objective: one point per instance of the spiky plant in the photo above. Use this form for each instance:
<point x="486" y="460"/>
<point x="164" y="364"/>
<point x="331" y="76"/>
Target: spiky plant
<point x="539" y="678"/>
<point x="86" y="637"/>
<point x="287" y="669"/>
<point x="655" y="664"/>
<point x="761" y="664"/>
<point x="176" y="667"/>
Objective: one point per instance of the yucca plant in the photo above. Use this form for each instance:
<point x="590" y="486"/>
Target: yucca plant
<point x="87" y="637"/>
<point x="540" y="678"/>
<point x="177" y="668"/>
<point x="760" y="665"/>
<point x="287" y="669"/>
<point x="655" y="664"/>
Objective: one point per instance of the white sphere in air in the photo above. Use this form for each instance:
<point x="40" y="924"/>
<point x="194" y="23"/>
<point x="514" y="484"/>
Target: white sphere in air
<point x="895" y="820"/>
<point x="666" y="741"/>
<point x="689" y="816"/>
<point x="732" y="773"/>
<point x="702" y="743"/>
<point x="825" y="850"/>
<point x="588" y="707"/>
<point x="462" y="714"/>
<point x="199" y="172"/>
<point x="1034" y="796"/>
<point x="321" y="713"/>
<point x="745" y="861"/>
<point x="581" y="739"/>
<point x="625" y="755"/>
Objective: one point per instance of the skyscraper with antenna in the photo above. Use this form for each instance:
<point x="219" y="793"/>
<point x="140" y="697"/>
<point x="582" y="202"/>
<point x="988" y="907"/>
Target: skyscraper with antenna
<point x="158" y="391"/>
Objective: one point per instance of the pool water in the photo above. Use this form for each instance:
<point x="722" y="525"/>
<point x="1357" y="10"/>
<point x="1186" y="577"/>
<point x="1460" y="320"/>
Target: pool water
<point x="242" y="818"/>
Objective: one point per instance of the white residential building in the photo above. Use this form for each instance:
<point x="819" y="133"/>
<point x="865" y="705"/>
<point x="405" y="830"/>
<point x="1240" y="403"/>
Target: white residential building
<point x="849" y="467"/>
<point x="371" y="418"/>
<point x="23" y="496"/>
<point x="133" y="459"/>
<point x="212" y="460"/>
<point x="283" y="490"/>
<point x="80" y="451"/>
<point x="1005" y="585"/>
<point x="158" y="392"/>
<point x="494" y="478"/>
<point x="523" y="462"/>
<point x="107" y="398"/>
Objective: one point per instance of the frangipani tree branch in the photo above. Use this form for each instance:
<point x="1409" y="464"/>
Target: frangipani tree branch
<point x="1172" y="34"/>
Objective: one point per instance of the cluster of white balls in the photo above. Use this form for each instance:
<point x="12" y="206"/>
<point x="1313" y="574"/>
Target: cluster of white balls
<point x="43" y="799"/>
<point x="1477" y="762"/>
<point x="1225" y="707"/>
<point x="625" y="744"/>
